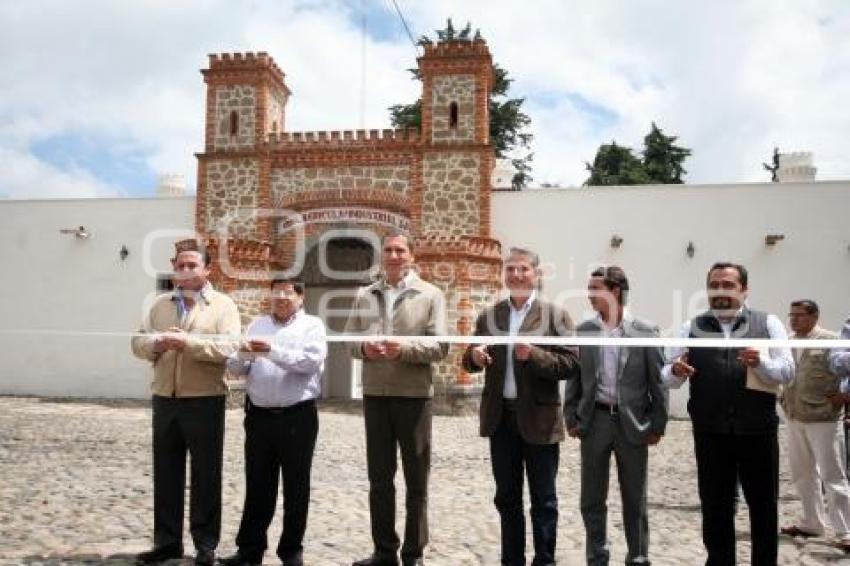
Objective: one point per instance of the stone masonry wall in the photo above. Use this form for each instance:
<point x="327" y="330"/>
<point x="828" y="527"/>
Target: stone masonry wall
<point x="288" y="185"/>
<point x="232" y="189"/>
<point x="461" y="90"/>
<point x="451" y="186"/>
<point x="274" y="112"/>
<point x="252" y="300"/>
<point x="243" y="100"/>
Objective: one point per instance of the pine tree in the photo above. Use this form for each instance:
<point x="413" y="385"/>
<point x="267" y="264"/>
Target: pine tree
<point x="662" y="159"/>
<point x="615" y="165"/>
<point x="661" y="162"/>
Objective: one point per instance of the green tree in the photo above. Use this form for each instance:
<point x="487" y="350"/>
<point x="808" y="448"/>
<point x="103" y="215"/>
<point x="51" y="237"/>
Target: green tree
<point x="662" y="158"/>
<point x="508" y="123"/>
<point x="615" y="165"/>
<point x="661" y="162"/>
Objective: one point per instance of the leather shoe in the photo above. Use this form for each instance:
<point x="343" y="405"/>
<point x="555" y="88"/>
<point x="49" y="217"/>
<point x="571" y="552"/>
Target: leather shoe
<point x="296" y="559"/>
<point x="239" y="559"/>
<point x="413" y="561"/>
<point x="160" y="554"/>
<point x="377" y="560"/>
<point x="205" y="558"/>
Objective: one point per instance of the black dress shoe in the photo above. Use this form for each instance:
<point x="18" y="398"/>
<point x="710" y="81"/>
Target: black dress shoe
<point x="413" y="561"/>
<point x="296" y="559"/>
<point x="239" y="559"/>
<point x="377" y="560"/>
<point x="160" y="554"/>
<point x="205" y="558"/>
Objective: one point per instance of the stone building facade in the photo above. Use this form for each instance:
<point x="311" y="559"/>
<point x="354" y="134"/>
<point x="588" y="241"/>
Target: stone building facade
<point x="315" y="204"/>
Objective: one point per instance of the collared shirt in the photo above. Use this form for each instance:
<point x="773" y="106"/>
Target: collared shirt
<point x="179" y="297"/>
<point x="609" y="358"/>
<point x="799" y="351"/>
<point x="777" y="367"/>
<point x="517" y="317"/>
<point x="392" y="292"/>
<point x="292" y="371"/>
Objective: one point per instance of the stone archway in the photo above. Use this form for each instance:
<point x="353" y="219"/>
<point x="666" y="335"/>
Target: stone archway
<point x="335" y="266"/>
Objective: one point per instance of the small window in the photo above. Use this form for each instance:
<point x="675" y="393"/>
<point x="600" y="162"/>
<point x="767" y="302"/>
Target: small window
<point x="453" y="115"/>
<point x="234" y="123"/>
<point x="274" y="127"/>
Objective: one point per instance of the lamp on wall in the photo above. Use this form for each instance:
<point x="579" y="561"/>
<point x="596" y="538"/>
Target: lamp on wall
<point x="771" y="239"/>
<point x="80" y="232"/>
<point x="690" y="250"/>
<point x="616" y="241"/>
<point x="123" y="252"/>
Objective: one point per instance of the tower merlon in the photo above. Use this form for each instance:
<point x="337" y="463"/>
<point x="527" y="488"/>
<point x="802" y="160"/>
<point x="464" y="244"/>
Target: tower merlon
<point x="344" y="138"/>
<point x="248" y="62"/>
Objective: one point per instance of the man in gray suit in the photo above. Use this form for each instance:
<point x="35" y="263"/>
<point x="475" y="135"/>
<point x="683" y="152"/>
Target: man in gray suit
<point x="619" y="405"/>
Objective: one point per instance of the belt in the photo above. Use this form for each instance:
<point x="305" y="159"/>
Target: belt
<point x="249" y="406"/>
<point x="610" y="409"/>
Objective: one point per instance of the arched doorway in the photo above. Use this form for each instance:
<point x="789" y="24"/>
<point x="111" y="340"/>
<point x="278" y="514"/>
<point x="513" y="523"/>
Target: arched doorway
<point x="335" y="266"/>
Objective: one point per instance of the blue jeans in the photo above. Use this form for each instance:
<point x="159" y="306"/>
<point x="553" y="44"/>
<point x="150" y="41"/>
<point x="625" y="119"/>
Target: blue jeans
<point x="508" y="453"/>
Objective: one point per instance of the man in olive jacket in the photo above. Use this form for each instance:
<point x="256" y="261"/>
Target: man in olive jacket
<point x="814" y="433"/>
<point x="521" y="406"/>
<point x="397" y="395"/>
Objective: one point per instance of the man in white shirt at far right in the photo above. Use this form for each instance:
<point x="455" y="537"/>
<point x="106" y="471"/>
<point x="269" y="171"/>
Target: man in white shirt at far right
<point x="815" y="447"/>
<point x="283" y="359"/>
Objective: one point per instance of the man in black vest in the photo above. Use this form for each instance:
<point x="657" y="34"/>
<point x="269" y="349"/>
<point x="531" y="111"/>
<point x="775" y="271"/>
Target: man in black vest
<point x="733" y="410"/>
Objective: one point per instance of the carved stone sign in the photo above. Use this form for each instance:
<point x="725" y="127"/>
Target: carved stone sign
<point x="344" y="214"/>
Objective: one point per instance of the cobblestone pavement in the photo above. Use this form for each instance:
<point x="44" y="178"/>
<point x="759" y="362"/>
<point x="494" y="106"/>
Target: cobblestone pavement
<point x="75" y="487"/>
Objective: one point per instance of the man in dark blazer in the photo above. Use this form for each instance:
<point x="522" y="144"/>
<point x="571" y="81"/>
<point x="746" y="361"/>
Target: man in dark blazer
<point x="521" y="406"/>
<point x="619" y="405"/>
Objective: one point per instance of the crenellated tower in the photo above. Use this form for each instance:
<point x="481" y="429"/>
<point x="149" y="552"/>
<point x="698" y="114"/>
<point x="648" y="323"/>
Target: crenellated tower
<point x="246" y="100"/>
<point x="457" y="77"/>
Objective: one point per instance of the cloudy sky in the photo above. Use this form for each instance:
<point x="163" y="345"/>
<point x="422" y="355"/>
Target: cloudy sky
<point x="98" y="97"/>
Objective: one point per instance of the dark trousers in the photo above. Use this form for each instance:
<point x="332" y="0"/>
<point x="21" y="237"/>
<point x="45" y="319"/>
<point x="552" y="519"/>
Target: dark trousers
<point x="721" y="460"/>
<point x="278" y="443"/>
<point x="393" y="423"/>
<point x="193" y="425"/>
<point x="508" y="453"/>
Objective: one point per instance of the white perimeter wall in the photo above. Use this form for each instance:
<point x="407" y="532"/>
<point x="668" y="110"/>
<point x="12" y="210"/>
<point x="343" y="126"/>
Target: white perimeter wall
<point x="56" y="287"/>
<point x="571" y="229"/>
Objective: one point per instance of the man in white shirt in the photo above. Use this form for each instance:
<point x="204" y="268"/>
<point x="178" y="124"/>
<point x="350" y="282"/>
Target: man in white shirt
<point x="733" y="410"/>
<point x="283" y="360"/>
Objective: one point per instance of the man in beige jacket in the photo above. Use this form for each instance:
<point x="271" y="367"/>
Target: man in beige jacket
<point x="814" y="434"/>
<point x="397" y="395"/>
<point x="186" y="338"/>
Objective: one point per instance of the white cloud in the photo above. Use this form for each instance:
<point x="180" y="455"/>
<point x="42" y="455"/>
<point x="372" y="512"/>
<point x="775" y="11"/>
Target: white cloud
<point x="732" y="79"/>
<point x="25" y="177"/>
